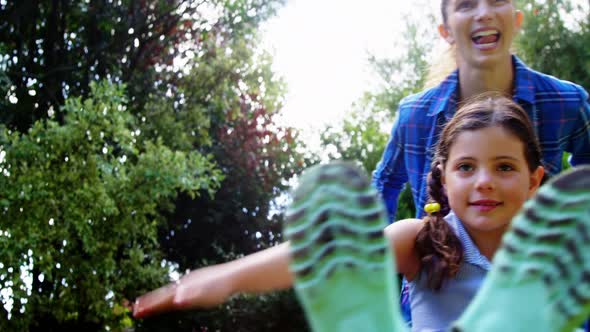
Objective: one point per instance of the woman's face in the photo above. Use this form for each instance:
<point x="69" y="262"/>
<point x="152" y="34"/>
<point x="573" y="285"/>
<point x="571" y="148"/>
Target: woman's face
<point x="481" y="30"/>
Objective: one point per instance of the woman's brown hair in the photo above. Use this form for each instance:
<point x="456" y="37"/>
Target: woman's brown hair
<point x="446" y="63"/>
<point x="439" y="249"/>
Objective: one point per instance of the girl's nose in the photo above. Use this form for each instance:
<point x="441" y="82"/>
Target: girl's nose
<point x="484" y="180"/>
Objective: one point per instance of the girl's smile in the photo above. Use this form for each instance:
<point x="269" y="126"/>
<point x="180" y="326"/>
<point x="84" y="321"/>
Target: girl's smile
<point x="485" y="205"/>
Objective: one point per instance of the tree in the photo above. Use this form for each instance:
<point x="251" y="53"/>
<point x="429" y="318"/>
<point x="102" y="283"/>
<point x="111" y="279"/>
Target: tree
<point x="555" y="39"/>
<point x="257" y="157"/>
<point x="193" y="74"/>
<point x="81" y="203"/>
<point x="257" y="160"/>
<point x="53" y="49"/>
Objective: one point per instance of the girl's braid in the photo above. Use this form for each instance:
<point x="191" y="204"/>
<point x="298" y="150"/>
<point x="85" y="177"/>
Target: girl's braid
<point x="438" y="247"/>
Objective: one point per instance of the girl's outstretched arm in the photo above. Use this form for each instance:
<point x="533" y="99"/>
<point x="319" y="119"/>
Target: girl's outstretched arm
<point x="260" y="272"/>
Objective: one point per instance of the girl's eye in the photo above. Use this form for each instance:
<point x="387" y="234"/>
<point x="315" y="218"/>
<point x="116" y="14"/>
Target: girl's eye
<point x="465" y="168"/>
<point x="505" y="168"/>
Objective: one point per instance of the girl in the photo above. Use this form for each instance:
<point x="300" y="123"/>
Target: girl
<point x="486" y="165"/>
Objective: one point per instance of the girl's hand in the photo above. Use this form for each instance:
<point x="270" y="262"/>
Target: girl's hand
<point x="201" y="288"/>
<point x="156" y="301"/>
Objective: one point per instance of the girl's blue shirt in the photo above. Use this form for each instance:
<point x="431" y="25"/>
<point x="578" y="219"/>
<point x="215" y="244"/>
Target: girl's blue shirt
<point x="436" y="310"/>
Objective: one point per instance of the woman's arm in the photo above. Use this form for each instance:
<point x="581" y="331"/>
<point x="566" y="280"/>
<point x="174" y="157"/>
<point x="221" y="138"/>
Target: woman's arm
<point x="579" y="145"/>
<point x="390" y="175"/>
<point x="402" y="238"/>
<point x="260" y="272"/>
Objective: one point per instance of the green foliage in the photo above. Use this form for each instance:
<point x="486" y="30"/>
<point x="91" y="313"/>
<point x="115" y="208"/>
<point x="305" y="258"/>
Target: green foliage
<point x="278" y="311"/>
<point x="227" y="106"/>
<point x="56" y="48"/>
<point x="360" y="136"/>
<point x="223" y="67"/>
<point x="197" y="86"/>
<point x="235" y="90"/>
<point x="405" y="74"/>
<point x="257" y="157"/>
<point x="81" y="203"/>
<point x="555" y="39"/>
<point x="565" y="162"/>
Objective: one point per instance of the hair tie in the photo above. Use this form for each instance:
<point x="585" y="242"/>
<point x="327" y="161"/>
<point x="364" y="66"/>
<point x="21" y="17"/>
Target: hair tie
<point x="431" y="208"/>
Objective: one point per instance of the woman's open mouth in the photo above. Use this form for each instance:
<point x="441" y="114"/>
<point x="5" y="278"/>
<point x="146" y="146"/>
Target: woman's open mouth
<point x="486" y="39"/>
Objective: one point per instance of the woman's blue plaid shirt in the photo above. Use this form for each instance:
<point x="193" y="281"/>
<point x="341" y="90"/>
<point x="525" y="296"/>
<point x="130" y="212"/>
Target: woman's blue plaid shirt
<point x="558" y="109"/>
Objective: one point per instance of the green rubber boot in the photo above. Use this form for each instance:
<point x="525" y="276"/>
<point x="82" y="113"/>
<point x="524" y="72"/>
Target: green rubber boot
<point x="343" y="266"/>
<point x="540" y="277"/>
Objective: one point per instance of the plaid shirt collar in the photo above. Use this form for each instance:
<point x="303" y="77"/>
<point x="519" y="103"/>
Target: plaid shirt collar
<point x="446" y="98"/>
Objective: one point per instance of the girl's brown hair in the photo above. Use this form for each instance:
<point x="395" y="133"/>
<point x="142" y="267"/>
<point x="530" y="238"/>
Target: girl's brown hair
<point x="439" y="249"/>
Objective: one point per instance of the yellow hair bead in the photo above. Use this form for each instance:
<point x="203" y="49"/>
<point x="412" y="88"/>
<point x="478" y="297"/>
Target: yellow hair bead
<point x="432" y="208"/>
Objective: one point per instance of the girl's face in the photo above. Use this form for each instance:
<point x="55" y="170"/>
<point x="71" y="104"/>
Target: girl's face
<point x="481" y="30"/>
<point x="487" y="179"/>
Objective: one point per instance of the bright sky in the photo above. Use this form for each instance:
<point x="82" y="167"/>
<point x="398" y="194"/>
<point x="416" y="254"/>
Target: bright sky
<point x="321" y="47"/>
